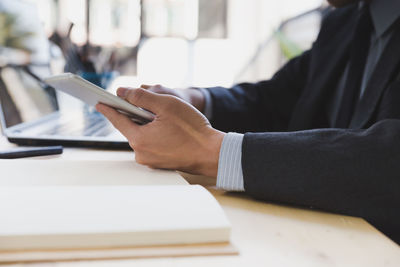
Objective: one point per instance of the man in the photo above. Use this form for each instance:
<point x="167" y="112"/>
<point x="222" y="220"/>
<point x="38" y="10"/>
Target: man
<point x="326" y="128"/>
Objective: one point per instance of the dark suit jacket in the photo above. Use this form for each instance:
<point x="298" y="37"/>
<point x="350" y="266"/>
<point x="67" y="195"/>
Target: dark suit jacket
<point x="293" y="157"/>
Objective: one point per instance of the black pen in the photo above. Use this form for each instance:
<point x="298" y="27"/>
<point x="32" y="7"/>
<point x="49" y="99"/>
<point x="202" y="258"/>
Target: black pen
<point x="31" y="152"/>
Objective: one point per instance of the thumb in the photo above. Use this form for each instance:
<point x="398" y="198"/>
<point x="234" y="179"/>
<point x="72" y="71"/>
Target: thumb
<point x="141" y="98"/>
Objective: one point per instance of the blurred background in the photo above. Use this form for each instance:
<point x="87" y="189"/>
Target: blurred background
<point x="177" y="43"/>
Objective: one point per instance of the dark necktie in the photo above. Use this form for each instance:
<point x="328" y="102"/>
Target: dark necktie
<point x="358" y="58"/>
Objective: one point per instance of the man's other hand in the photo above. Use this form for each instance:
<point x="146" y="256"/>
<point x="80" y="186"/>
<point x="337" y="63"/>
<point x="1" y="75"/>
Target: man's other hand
<point x="190" y="95"/>
<point x="179" y="138"/>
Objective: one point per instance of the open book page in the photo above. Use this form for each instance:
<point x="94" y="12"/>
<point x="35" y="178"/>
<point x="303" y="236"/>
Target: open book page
<point x="43" y="217"/>
<point x="52" y="172"/>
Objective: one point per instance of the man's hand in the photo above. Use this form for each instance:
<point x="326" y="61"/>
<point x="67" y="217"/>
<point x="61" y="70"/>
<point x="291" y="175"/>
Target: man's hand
<point x="190" y="95"/>
<point x="179" y="138"/>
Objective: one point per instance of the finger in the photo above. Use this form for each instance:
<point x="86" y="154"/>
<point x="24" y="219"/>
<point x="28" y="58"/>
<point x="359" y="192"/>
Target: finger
<point x="154" y="88"/>
<point x="118" y="120"/>
<point x="145" y="99"/>
<point x="123" y="91"/>
<point x="159" y="89"/>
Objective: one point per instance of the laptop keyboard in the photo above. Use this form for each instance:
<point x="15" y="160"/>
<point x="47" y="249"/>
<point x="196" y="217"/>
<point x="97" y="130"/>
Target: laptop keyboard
<point x="92" y="124"/>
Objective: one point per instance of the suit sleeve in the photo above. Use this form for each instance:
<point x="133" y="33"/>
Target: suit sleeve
<point x="262" y="106"/>
<point x="352" y="172"/>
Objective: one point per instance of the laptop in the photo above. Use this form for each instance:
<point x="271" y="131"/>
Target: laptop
<point x="30" y="114"/>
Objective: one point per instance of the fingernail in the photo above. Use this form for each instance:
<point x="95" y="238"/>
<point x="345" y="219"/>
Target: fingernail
<point x="122" y="92"/>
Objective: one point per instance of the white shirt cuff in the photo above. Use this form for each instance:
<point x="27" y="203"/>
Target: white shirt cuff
<point x="230" y="175"/>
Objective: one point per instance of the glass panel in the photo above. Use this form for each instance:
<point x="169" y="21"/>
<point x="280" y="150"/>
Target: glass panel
<point x="171" y="18"/>
<point x="212" y="18"/>
<point x="115" y="23"/>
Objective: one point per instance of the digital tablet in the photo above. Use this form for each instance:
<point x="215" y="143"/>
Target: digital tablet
<point x="92" y="94"/>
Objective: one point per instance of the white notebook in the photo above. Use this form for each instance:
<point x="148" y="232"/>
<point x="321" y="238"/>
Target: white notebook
<point x="63" y="208"/>
<point x="83" y="172"/>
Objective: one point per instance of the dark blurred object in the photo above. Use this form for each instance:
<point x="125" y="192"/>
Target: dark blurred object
<point x="76" y="59"/>
<point x="79" y="60"/>
<point x="17" y="153"/>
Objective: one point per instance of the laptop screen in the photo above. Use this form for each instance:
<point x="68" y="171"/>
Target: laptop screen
<point x="23" y="98"/>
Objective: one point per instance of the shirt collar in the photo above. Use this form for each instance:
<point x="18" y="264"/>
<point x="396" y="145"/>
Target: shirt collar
<point x="384" y="13"/>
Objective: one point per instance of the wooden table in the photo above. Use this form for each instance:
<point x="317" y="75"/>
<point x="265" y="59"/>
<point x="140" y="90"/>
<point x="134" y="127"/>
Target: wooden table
<point x="266" y="234"/>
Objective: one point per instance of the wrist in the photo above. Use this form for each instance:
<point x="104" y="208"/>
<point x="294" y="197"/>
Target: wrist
<point x="196" y="98"/>
<point x="209" y="158"/>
